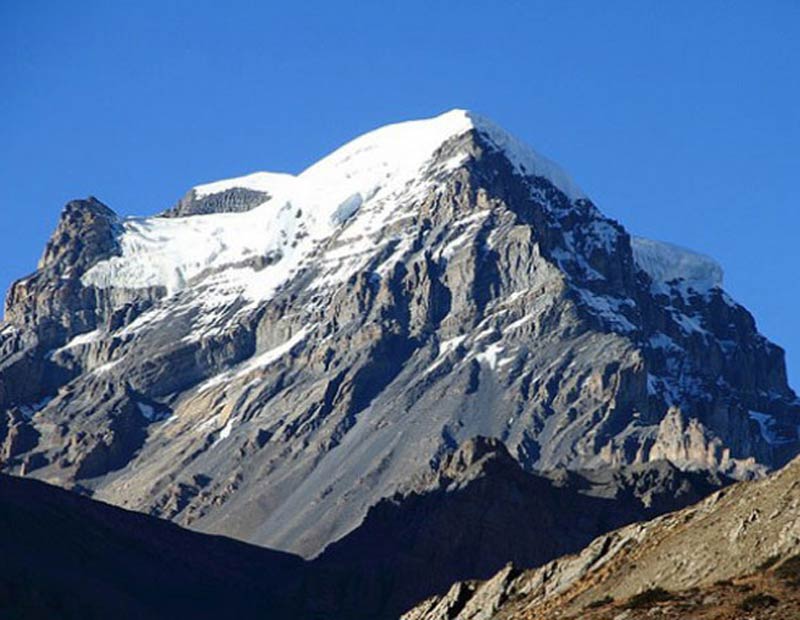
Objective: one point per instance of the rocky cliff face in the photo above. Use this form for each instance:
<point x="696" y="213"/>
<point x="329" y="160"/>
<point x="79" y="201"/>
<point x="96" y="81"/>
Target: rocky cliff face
<point x="233" y="200"/>
<point x="659" y="567"/>
<point x="273" y="373"/>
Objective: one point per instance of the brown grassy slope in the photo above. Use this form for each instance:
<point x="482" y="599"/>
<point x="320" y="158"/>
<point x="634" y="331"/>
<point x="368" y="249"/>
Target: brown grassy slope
<point x="729" y="535"/>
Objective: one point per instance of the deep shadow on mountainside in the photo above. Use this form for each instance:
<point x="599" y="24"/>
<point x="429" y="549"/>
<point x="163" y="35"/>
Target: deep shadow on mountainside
<point x="67" y="556"/>
<point x="72" y="557"/>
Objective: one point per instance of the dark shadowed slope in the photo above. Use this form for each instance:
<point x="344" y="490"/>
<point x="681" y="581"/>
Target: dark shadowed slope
<point x="66" y="556"/>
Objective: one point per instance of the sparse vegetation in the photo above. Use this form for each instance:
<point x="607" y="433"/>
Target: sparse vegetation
<point x="649" y="597"/>
<point x="758" y="601"/>
<point x="602" y="602"/>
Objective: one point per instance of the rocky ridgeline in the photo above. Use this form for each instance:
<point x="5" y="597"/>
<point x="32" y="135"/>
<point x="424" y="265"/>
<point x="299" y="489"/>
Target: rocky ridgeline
<point x="656" y="568"/>
<point x="484" y="296"/>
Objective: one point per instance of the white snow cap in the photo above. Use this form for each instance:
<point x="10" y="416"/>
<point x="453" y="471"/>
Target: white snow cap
<point x="356" y="189"/>
<point x="399" y="148"/>
<point x="259" y="181"/>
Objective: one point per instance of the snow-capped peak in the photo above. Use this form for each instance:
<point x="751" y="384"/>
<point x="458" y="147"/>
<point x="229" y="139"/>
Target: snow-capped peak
<point x="384" y="159"/>
<point x="352" y="193"/>
<point x="394" y="152"/>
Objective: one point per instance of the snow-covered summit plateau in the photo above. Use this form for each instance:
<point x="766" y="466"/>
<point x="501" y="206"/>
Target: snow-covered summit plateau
<point x="377" y="174"/>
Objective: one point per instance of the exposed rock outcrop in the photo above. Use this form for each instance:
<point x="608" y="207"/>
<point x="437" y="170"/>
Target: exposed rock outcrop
<point x="52" y="302"/>
<point x="233" y="200"/>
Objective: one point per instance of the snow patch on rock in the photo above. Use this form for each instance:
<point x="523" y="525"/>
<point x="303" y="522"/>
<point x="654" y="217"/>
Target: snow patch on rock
<point x="260" y="360"/>
<point x="489" y="356"/>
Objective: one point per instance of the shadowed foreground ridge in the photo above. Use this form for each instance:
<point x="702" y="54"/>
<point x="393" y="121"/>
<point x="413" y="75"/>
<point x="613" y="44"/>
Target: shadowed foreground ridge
<point x="66" y="556"/>
<point x="480" y="510"/>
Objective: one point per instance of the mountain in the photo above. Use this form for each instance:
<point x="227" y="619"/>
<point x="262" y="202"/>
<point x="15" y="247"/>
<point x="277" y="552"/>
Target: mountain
<point x="736" y="554"/>
<point x="276" y="354"/>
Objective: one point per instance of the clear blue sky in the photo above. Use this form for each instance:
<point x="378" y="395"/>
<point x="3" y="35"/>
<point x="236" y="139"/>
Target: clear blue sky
<point x="681" y="120"/>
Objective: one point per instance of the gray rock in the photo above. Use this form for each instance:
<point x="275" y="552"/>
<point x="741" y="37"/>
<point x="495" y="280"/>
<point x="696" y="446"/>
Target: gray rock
<point x="233" y="200"/>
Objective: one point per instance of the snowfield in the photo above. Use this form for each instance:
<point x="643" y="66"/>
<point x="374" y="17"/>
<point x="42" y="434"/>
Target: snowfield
<point x="354" y="192"/>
